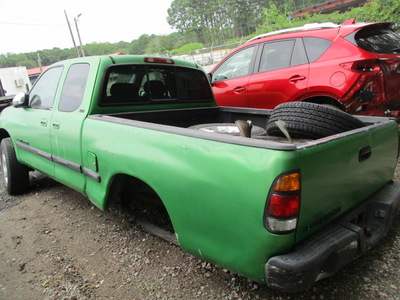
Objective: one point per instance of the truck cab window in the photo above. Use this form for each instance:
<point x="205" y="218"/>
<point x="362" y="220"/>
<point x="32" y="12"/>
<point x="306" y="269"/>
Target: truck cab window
<point x="43" y="92"/>
<point x="122" y="85"/>
<point x="74" y="87"/>
<point x="138" y="84"/>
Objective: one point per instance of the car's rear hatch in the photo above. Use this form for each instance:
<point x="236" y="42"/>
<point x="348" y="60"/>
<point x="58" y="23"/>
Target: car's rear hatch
<point x="341" y="171"/>
<point x="381" y="40"/>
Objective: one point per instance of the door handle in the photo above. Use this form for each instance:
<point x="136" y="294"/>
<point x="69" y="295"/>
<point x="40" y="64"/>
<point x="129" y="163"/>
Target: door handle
<point x="239" y="90"/>
<point x="364" y="153"/>
<point x="56" y="125"/>
<point x="43" y="122"/>
<point x="296" y="78"/>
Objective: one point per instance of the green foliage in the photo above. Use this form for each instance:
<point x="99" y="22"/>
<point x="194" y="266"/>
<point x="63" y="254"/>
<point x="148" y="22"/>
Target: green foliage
<point x="188" y="48"/>
<point x="217" y="20"/>
<point x="372" y="11"/>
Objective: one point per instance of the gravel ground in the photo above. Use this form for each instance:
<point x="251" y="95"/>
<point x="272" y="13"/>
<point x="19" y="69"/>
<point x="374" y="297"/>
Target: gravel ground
<point x="54" y="244"/>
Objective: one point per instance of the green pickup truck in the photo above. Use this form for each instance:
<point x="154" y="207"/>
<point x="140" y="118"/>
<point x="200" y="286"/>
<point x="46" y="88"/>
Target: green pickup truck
<point x="283" y="197"/>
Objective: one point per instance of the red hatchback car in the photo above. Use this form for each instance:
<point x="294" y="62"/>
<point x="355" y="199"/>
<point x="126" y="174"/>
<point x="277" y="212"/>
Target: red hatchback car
<point x="353" y="66"/>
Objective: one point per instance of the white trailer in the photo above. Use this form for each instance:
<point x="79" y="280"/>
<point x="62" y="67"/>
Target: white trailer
<point x="14" y="80"/>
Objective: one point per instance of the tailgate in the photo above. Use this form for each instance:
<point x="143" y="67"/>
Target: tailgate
<point x="341" y="171"/>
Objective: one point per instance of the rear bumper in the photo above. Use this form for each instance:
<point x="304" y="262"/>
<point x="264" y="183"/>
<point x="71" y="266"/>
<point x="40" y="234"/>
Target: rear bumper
<point x="330" y="249"/>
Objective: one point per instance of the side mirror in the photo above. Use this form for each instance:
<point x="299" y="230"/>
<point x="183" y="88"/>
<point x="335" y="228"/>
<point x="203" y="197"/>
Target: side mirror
<point x="20" y="100"/>
<point x="209" y="76"/>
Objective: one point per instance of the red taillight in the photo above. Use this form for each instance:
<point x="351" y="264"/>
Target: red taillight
<point x="362" y="66"/>
<point x="160" y="60"/>
<point x="283" y="204"/>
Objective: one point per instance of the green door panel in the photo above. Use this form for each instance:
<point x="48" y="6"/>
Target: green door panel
<point x="66" y="125"/>
<point x="33" y="146"/>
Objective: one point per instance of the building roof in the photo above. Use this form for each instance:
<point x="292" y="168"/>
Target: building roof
<point x="36" y="71"/>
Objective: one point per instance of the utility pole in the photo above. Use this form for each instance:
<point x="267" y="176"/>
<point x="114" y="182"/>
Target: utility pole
<point x="40" y="63"/>
<point x="72" y="36"/>
<point x="79" y="36"/>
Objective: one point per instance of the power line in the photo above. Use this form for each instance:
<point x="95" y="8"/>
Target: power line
<point x="30" y="24"/>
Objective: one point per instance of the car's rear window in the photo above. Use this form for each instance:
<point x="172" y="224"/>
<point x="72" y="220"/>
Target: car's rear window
<point x="315" y="47"/>
<point x="378" y="38"/>
<point x="145" y="84"/>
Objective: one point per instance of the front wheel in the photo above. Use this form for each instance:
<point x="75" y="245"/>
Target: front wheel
<point x="15" y="174"/>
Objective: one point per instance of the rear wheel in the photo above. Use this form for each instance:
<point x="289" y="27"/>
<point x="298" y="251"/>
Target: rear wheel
<point x="15" y="174"/>
<point x="310" y="120"/>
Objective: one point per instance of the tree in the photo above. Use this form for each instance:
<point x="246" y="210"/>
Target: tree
<point x="139" y="46"/>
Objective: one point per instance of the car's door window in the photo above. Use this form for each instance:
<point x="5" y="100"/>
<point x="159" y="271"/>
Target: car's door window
<point x="237" y="65"/>
<point x="276" y="55"/>
<point x="299" y="56"/>
<point x="74" y="87"/>
<point x="43" y="92"/>
<point x="315" y="47"/>
<point x="282" y="54"/>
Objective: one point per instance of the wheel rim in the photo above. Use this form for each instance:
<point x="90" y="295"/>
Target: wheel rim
<point x="227" y="129"/>
<point x="4" y="168"/>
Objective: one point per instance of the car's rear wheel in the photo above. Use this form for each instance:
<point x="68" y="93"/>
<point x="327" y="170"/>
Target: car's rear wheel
<point x="15" y="174"/>
<point x="310" y="120"/>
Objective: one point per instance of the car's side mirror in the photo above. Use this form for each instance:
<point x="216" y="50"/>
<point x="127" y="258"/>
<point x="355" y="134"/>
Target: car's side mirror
<point x="209" y="76"/>
<point x="20" y="100"/>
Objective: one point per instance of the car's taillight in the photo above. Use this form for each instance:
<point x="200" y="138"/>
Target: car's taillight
<point x="283" y="204"/>
<point x="362" y="66"/>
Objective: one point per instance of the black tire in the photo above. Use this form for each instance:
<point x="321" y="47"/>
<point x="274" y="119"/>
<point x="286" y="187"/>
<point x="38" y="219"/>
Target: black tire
<point x="227" y="128"/>
<point x="15" y="174"/>
<point x="310" y="120"/>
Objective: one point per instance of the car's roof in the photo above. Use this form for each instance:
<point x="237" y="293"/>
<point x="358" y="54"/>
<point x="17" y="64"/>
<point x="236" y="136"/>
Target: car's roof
<point x="324" y="30"/>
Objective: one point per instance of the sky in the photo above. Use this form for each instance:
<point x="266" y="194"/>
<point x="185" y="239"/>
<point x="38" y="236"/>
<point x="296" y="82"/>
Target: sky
<point x="31" y="25"/>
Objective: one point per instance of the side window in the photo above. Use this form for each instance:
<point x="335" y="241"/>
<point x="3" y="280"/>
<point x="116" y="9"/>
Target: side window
<point x="276" y="55"/>
<point x="315" y="47"/>
<point x="74" y="87"/>
<point x="299" y="56"/>
<point x="43" y="92"/>
<point x="237" y="65"/>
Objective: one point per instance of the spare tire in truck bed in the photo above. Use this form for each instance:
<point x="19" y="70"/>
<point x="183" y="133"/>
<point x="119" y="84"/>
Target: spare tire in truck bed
<point x="310" y="120"/>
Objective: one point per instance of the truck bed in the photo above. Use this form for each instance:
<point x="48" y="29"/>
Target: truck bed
<point x="179" y="120"/>
<point x="189" y="117"/>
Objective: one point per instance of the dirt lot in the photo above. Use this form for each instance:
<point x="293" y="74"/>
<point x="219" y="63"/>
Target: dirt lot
<point x="54" y="244"/>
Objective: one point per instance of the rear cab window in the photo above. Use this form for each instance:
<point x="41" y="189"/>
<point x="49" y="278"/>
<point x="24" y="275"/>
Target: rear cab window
<point x="144" y="84"/>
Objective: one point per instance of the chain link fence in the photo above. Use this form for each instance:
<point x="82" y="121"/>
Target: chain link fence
<point x="211" y="55"/>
